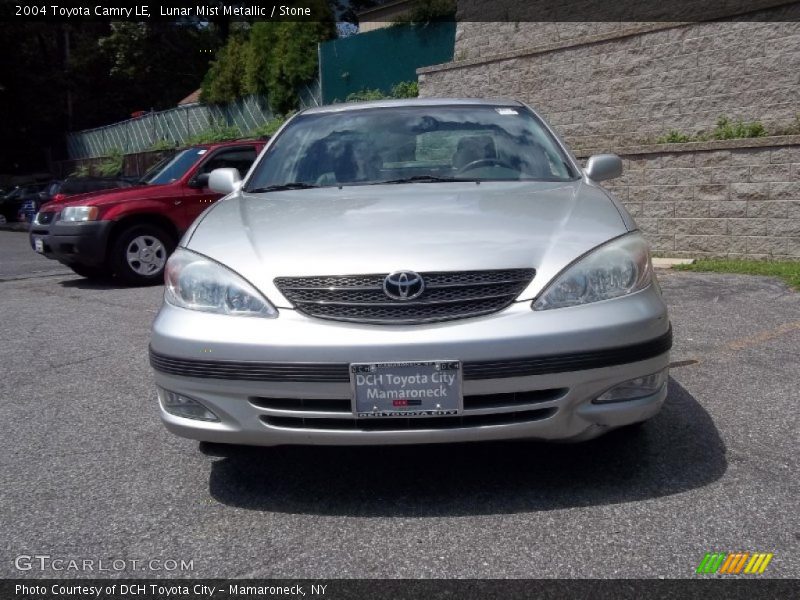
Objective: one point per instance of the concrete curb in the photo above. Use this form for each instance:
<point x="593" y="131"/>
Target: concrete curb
<point x="668" y="263"/>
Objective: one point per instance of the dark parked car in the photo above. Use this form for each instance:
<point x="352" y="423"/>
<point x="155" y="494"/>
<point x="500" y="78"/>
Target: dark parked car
<point x="50" y="190"/>
<point x="131" y="232"/>
<point x="11" y="203"/>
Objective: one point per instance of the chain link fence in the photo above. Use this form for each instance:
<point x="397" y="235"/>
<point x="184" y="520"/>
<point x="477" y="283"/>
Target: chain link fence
<point x="176" y="126"/>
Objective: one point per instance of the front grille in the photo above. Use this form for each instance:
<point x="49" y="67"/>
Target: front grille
<point x="472" y="402"/>
<point x="447" y="296"/>
<point x="398" y="424"/>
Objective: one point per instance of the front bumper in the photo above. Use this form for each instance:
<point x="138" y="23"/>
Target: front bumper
<point x="41" y="232"/>
<point x="527" y="374"/>
<point x="81" y="243"/>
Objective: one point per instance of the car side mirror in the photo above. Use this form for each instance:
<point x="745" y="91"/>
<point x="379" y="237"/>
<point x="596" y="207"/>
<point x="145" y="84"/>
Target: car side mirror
<point x="224" y="181"/>
<point x="199" y="181"/>
<point x="602" y="167"/>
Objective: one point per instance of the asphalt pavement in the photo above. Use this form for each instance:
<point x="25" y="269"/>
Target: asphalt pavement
<point x="87" y="472"/>
<point x="19" y="261"/>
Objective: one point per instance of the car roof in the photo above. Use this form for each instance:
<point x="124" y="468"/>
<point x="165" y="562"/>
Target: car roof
<point x="214" y="145"/>
<point x="390" y="103"/>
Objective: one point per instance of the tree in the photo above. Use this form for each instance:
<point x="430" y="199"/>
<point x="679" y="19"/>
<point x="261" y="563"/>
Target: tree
<point x="281" y="57"/>
<point x="158" y="62"/>
<point x="345" y="10"/>
<point x="103" y="70"/>
<point x="224" y="80"/>
<point x="271" y="58"/>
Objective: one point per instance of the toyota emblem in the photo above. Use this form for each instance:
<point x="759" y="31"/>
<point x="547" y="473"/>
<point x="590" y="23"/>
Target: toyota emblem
<point x="403" y="285"/>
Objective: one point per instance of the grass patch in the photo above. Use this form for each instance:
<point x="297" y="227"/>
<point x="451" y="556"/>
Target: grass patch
<point x="789" y="271"/>
<point x="724" y="130"/>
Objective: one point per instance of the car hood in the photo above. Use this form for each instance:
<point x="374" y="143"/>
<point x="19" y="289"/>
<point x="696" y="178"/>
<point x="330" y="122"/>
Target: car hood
<point x="110" y="196"/>
<point x="421" y="227"/>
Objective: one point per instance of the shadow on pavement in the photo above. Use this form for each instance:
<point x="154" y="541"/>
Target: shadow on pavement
<point x="678" y="450"/>
<point x="105" y="283"/>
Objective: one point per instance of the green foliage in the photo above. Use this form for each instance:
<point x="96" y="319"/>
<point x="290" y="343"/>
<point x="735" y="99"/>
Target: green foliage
<point x="223" y="81"/>
<point x="281" y="57"/>
<point x="82" y="170"/>
<point x="404" y="89"/>
<point x="725" y="129"/>
<point x="272" y="58"/>
<point x="729" y="130"/>
<point x="163" y="144"/>
<point x="111" y="165"/>
<point x="427" y="11"/>
<point x="365" y="95"/>
<point x="112" y="70"/>
<point x="216" y="133"/>
<point x="789" y="271"/>
<point x="269" y="128"/>
<point x="674" y="137"/>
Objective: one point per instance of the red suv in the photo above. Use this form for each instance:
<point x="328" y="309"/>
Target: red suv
<point x="130" y="232"/>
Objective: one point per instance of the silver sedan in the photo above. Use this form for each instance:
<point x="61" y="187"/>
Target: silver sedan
<point x="403" y="272"/>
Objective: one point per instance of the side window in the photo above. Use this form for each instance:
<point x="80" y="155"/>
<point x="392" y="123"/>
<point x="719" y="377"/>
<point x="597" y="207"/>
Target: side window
<point x="236" y="158"/>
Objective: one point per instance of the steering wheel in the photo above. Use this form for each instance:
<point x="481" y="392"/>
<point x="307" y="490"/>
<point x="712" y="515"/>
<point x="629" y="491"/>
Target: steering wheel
<point x="485" y="162"/>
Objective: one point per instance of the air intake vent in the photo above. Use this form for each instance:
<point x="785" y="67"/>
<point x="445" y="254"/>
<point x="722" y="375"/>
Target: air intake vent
<point x="398" y="424"/>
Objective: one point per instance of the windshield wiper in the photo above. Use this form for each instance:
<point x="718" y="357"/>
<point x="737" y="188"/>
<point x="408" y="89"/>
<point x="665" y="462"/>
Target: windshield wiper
<point x="294" y="185"/>
<point x="421" y="179"/>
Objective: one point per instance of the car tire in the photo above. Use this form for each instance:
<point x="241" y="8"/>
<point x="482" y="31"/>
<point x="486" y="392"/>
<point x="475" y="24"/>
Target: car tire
<point x="91" y="272"/>
<point x="139" y="254"/>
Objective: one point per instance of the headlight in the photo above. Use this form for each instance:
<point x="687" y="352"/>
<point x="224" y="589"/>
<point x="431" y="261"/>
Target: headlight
<point x="80" y="213"/>
<point x="198" y="283"/>
<point x="617" y="268"/>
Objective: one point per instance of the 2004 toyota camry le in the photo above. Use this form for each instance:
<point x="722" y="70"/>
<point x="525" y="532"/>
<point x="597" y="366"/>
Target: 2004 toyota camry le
<point x="414" y="271"/>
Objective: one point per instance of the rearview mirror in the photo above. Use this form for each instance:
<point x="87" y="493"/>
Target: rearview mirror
<point x="602" y="167"/>
<point x="199" y="181"/>
<point x="224" y="181"/>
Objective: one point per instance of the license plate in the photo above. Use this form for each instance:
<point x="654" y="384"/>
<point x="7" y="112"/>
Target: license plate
<point x="406" y="389"/>
<point x="38" y="244"/>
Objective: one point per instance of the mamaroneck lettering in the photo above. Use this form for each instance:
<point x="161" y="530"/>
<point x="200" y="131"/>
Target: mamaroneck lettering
<point x="273" y="590"/>
<point x="375" y="394"/>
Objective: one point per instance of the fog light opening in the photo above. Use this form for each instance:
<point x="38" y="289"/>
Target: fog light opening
<point x="634" y="389"/>
<point x="183" y="406"/>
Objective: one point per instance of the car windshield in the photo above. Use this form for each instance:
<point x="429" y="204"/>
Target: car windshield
<point x="177" y="167"/>
<point x="412" y="144"/>
<point x="154" y="170"/>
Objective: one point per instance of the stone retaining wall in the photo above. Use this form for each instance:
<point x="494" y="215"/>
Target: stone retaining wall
<point x="736" y="198"/>
<point x="630" y="88"/>
<point x="614" y="87"/>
